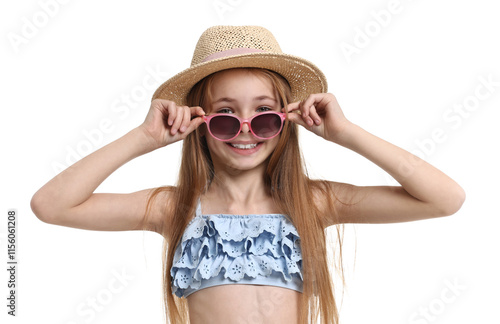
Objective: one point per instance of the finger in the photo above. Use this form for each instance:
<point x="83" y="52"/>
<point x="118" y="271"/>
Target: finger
<point x="309" y="112"/>
<point x="192" y="125"/>
<point x="314" y="116"/>
<point x="177" y="121"/>
<point x="186" y="120"/>
<point x="292" y="107"/>
<point x="161" y="105"/>
<point x="160" y="108"/>
<point x="305" y="111"/>
<point x="197" y="111"/>
<point x="297" y="119"/>
<point x="195" y="123"/>
<point x="172" y="113"/>
<point x="305" y="105"/>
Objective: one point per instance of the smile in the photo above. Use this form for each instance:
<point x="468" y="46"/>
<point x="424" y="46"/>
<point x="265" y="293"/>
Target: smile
<point x="244" y="146"/>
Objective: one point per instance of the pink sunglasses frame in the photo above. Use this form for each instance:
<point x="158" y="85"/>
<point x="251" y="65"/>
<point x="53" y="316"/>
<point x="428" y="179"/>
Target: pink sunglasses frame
<point x="242" y="121"/>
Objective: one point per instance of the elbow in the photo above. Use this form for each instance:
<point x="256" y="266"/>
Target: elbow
<point x="40" y="205"/>
<point x="454" y="201"/>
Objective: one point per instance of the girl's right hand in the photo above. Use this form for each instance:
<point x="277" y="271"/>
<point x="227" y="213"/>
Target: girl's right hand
<point x="167" y="123"/>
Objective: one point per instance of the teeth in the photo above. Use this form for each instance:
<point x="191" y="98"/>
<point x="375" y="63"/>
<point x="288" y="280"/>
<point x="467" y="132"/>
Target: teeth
<point x="244" y="146"/>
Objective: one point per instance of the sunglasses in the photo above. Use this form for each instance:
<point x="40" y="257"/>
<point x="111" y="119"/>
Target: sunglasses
<point x="226" y="127"/>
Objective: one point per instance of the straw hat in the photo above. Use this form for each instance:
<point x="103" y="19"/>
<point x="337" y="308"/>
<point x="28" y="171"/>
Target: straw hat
<point x="225" y="47"/>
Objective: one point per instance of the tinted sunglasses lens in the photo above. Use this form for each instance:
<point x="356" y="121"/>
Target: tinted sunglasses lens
<point x="267" y="125"/>
<point x="224" y="127"/>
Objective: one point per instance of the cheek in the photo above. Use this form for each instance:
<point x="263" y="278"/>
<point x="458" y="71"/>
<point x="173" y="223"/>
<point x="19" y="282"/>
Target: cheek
<point x="212" y="143"/>
<point x="276" y="140"/>
<point x="275" y="143"/>
<point x="271" y="145"/>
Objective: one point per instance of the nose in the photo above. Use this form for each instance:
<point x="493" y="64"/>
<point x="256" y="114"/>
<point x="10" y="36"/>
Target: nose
<point x="245" y="128"/>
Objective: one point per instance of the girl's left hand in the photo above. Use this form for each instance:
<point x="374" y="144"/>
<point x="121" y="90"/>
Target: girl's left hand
<point x="321" y="114"/>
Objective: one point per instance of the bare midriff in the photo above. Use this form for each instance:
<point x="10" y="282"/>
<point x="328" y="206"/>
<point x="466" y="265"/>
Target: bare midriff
<point x="244" y="304"/>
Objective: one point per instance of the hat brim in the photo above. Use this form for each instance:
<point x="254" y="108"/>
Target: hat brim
<point x="303" y="76"/>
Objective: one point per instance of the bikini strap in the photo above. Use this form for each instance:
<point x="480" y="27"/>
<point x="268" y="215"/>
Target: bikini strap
<point x="198" y="208"/>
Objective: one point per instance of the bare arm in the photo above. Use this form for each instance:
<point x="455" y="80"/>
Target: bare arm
<point x="69" y="199"/>
<point x="425" y="192"/>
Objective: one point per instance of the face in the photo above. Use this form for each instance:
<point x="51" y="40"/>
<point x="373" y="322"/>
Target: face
<point x="244" y="94"/>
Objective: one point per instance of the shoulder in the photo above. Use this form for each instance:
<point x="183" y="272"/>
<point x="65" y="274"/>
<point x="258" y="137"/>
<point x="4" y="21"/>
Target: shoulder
<point x="331" y="199"/>
<point x="160" y="209"/>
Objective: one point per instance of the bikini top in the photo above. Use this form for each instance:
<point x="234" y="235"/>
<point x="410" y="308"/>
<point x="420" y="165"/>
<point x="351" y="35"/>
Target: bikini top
<point x="221" y="249"/>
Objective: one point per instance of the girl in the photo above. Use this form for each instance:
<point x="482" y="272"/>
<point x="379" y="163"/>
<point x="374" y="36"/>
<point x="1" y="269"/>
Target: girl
<point x="244" y="227"/>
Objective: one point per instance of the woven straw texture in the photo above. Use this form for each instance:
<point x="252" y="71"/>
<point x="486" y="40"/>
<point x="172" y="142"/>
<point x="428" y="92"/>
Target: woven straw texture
<point x="303" y="76"/>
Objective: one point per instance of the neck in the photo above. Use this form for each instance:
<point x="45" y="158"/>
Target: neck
<point x="239" y="186"/>
<point x="239" y="190"/>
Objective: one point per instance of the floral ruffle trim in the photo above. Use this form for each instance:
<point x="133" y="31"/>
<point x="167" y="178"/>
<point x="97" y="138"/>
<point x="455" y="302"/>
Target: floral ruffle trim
<point x="237" y="246"/>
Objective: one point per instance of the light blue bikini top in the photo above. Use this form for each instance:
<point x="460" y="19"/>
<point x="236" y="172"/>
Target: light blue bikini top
<point x="222" y="249"/>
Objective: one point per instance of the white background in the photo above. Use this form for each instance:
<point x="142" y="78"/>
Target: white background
<point x="65" y="70"/>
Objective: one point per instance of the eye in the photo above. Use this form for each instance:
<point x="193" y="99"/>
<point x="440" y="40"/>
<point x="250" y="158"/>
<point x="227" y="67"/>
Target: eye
<point x="264" y="108"/>
<point x="224" y="111"/>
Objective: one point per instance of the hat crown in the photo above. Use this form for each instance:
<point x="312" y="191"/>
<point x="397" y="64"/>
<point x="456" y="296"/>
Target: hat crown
<point x="230" y="47"/>
<point x="233" y="40"/>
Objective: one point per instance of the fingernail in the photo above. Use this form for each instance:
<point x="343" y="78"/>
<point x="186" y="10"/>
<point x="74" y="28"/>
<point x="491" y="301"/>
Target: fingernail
<point x="183" y="129"/>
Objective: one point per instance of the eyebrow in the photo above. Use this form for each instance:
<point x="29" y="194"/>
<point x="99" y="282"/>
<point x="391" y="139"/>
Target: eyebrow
<point x="259" y="98"/>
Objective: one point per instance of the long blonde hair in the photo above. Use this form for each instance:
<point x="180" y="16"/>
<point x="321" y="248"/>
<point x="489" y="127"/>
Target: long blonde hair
<point x="292" y="191"/>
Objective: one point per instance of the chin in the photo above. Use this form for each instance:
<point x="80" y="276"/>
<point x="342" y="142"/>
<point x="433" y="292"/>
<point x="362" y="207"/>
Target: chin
<point x="243" y="166"/>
